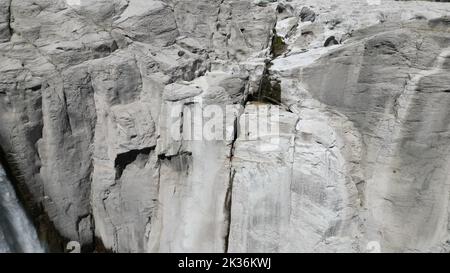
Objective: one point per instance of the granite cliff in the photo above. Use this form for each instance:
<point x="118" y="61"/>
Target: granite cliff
<point x="359" y="92"/>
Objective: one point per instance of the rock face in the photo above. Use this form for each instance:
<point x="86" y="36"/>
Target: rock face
<point x="98" y="103"/>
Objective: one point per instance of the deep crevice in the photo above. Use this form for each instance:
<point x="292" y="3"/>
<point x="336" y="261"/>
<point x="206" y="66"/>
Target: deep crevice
<point x="36" y="88"/>
<point x="10" y="29"/>
<point x="229" y="194"/>
<point x="227" y="208"/>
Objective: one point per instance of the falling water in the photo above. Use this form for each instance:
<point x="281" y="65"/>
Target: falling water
<point x="17" y="233"/>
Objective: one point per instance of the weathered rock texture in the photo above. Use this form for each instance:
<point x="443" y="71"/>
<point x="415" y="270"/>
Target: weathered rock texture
<point x="360" y="90"/>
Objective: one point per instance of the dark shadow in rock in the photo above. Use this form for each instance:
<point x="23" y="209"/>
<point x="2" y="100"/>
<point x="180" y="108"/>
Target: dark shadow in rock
<point x="331" y="41"/>
<point x="123" y="160"/>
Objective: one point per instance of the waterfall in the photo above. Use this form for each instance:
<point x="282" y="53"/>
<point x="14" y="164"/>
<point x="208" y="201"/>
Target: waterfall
<point x="17" y="233"/>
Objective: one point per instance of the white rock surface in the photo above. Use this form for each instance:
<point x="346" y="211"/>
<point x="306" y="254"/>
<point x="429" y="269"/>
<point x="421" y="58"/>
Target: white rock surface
<point x="93" y="92"/>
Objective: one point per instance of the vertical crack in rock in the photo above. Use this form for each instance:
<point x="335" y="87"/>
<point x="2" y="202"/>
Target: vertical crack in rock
<point x="268" y="92"/>
<point x="45" y="228"/>
<point x="9" y="19"/>
<point x="367" y="86"/>
<point x="278" y="45"/>
<point x="228" y="207"/>
<point x="69" y="126"/>
<point x="229" y="195"/>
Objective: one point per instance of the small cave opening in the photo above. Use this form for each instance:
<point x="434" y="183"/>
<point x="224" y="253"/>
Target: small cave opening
<point x="123" y="160"/>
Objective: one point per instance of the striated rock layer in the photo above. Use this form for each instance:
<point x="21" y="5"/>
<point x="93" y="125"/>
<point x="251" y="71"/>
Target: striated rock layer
<point x="93" y="91"/>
